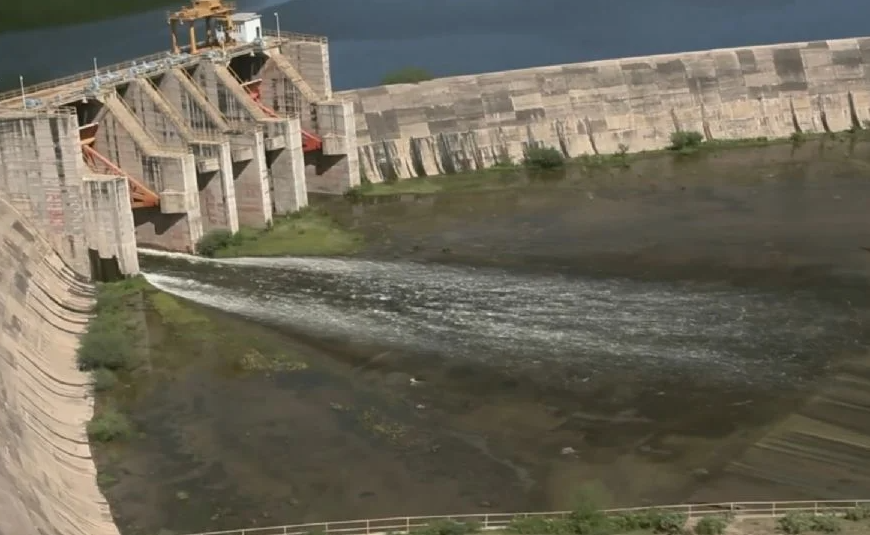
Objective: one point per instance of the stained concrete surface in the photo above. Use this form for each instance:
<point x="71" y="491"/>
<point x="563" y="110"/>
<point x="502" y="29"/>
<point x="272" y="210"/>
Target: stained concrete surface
<point x="47" y="477"/>
<point x="600" y="107"/>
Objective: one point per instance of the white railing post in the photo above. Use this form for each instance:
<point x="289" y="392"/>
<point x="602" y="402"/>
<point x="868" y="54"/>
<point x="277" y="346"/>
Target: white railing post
<point x="407" y="524"/>
<point x="815" y="508"/>
<point x="326" y="528"/>
<point x="485" y="521"/>
<point x="773" y="509"/>
<point x="690" y="510"/>
<point x="368" y="527"/>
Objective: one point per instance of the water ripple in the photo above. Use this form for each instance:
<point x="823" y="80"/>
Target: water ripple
<point x="495" y="316"/>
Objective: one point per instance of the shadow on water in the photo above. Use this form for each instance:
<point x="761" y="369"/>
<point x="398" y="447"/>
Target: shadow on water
<point x="642" y="327"/>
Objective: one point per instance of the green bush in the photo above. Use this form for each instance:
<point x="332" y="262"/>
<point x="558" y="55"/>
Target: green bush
<point x="797" y="138"/>
<point x="105" y="345"/>
<point x="448" y="527"/>
<point x="407" y="75"/>
<point x="857" y="514"/>
<point x="534" y="525"/>
<point x="543" y="158"/>
<point x="104" y="379"/>
<point x="826" y="524"/>
<point x="669" y="523"/>
<point x="214" y="241"/>
<point x="711" y="525"/>
<point x="682" y="140"/>
<point x="108" y="426"/>
<point x="795" y="523"/>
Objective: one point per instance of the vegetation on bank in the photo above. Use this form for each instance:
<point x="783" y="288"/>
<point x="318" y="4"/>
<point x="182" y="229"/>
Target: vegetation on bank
<point x="19" y="15"/>
<point x="125" y="365"/>
<point x="550" y="159"/>
<point x="587" y="519"/>
<point x="309" y="232"/>
<point x="407" y="75"/>
<point x="108" y="350"/>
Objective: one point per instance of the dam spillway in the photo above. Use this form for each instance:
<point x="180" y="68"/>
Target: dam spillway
<point x="222" y="140"/>
<point x="190" y="143"/>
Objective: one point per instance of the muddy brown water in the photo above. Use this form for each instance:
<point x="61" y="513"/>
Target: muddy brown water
<point x="637" y="327"/>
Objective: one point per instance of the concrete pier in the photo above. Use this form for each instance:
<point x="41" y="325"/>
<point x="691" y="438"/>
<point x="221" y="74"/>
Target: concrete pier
<point x="205" y="142"/>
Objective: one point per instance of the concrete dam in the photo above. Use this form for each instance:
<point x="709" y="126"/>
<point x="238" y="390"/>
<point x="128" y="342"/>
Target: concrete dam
<point x="161" y="150"/>
<point x="634" y="104"/>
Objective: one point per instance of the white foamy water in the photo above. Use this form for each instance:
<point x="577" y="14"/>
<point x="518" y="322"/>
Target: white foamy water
<point x="497" y="316"/>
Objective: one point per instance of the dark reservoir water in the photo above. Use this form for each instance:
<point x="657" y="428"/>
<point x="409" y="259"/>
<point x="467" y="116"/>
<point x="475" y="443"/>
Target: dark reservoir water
<point x="638" y="327"/>
<point x="369" y="38"/>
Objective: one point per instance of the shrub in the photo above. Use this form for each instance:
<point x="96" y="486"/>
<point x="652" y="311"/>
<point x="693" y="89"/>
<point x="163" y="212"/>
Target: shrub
<point x="540" y="526"/>
<point x="407" y="75"/>
<point x="795" y="523"/>
<point x="447" y="527"/>
<point x="214" y="241"/>
<point x="669" y="523"/>
<point x="682" y="140"/>
<point x="626" y="522"/>
<point x="543" y="158"/>
<point x="105" y="345"/>
<point x="104" y="379"/>
<point x="826" y="524"/>
<point x="711" y="525"/>
<point x="108" y="426"/>
<point x="862" y="512"/>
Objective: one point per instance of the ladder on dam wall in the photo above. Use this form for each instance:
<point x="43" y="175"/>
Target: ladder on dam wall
<point x="232" y="83"/>
<point x="294" y="76"/>
<point x="147" y="86"/>
<point x="310" y="142"/>
<point x="195" y="91"/>
<point x="124" y="115"/>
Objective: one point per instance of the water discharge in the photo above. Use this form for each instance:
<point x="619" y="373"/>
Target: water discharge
<point x="497" y="317"/>
<point x="667" y="326"/>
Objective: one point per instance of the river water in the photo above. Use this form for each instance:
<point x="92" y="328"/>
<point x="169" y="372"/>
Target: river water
<point x="494" y="350"/>
<point x="373" y="37"/>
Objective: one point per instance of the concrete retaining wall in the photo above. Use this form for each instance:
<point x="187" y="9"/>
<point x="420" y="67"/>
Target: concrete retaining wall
<point x="47" y="477"/>
<point x="470" y="122"/>
<point x="40" y="175"/>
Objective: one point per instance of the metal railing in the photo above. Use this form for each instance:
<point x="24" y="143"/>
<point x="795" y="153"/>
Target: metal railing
<point x="491" y="521"/>
<point x="296" y="36"/>
<point x="118" y="73"/>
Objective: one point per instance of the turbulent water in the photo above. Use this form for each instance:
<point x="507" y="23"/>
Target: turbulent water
<point x="503" y="318"/>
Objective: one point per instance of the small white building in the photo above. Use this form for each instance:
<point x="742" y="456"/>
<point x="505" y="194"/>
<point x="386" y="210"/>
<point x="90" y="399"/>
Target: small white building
<point x="247" y="27"/>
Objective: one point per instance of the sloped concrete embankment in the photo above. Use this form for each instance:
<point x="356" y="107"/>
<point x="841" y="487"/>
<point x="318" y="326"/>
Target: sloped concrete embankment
<point x="603" y="107"/>
<point x="47" y="477"/>
<point x="820" y="450"/>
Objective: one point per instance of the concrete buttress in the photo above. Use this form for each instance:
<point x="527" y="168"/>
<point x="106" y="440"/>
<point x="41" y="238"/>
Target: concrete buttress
<point x="177" y="223"/>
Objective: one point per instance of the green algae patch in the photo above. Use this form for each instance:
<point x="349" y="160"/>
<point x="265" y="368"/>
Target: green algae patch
<point x="308" y="232"/>
<point x="255" y="361"/>
<point x="381" y="426"/>
<point x="492" y="178"/>
<point x="174" y="312"/>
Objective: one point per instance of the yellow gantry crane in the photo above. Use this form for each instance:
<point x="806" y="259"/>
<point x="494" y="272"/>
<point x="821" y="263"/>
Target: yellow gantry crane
<point x="213" y="11"/>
